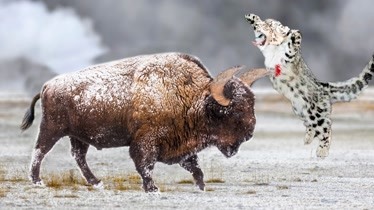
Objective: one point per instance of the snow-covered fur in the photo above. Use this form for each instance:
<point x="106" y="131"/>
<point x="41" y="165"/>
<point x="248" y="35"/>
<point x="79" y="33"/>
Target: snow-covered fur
<point x="311" y="99"/>
<point x="165" y="107"/>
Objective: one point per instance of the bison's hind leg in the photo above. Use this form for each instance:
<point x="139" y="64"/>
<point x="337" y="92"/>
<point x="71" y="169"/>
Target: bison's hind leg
<point x="78" y="151"/>
<point x="47" y="138"/>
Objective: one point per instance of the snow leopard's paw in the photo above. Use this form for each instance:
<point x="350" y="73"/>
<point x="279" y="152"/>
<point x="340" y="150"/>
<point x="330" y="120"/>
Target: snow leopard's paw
<point x="309" y="136"/>
<point x="322" y="152"/>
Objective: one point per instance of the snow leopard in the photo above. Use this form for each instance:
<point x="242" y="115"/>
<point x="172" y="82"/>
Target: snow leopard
<point x="311" y="98"/>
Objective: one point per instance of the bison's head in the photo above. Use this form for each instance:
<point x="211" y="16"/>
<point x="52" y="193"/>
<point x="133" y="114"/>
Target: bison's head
<point x="230" y="109"/>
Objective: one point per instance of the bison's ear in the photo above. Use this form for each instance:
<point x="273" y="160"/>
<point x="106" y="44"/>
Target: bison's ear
<point x="218" y="84"/>
<point x="250" y="76"/>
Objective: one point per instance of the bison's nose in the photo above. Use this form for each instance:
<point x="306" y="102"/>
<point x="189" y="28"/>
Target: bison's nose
<point x="248" y="137"/>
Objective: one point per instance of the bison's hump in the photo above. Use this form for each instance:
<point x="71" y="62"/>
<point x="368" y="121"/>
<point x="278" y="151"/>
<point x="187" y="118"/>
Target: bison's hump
<point x="148" y="82"/>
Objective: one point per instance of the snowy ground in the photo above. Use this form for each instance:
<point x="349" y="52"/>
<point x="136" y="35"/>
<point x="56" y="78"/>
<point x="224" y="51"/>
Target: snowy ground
<point x="274" y="170"/>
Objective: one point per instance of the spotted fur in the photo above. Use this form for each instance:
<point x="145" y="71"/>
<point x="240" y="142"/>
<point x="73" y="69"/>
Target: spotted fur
<point x="311" y="99"/>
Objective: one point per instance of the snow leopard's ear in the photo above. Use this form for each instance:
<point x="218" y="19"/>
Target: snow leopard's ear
<point x="252" y="75"/>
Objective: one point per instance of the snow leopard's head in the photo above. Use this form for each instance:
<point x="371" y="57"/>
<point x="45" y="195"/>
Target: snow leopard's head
<point x="270" y="33"/>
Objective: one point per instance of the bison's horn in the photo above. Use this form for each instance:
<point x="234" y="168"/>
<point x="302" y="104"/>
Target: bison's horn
<point x="250" y="76"/>
<point x="217" y="86"/>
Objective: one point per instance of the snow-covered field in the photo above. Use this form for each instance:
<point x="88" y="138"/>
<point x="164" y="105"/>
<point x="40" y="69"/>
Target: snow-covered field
<point x="274" y="170"/>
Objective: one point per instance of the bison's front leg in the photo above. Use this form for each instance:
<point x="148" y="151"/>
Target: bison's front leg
<point x="144" y="158"/>
<point x="79" y="151"/>
<point x="191" y="164"/>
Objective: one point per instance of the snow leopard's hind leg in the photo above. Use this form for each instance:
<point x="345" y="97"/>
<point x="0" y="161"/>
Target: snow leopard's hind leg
<point x="318" y="124"/>
<point x="324" y="143"/>
<point x="321" y="131"/>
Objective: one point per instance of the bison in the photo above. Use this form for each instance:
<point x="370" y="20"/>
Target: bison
<point x="165" y="107"/>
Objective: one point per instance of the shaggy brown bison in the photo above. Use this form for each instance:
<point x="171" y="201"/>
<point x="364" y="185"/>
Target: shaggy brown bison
<point x="165" y="107"/>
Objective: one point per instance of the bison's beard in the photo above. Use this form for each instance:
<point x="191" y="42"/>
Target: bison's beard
<point x="231" y="149"/>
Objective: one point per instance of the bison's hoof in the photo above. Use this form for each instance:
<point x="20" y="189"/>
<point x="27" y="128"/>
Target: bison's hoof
<point x="152" y="189"/>
<point x="201" y="186"/>
<point x="39" y="184"/>
<point x="99" y="186"/>
<point x="155" y="193"/>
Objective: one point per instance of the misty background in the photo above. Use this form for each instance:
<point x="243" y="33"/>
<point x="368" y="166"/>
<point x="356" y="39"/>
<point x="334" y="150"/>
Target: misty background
<point x="42" y="38"/>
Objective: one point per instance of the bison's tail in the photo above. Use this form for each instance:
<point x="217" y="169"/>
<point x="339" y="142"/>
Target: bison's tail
<point x="29" y="115"/>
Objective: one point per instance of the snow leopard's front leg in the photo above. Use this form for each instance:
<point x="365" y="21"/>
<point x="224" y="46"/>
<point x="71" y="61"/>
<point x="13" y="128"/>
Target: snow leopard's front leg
<point x="293" y="45"/>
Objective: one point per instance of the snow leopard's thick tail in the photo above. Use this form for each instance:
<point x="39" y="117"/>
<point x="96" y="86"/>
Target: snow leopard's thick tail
<point x="350" y="89"/>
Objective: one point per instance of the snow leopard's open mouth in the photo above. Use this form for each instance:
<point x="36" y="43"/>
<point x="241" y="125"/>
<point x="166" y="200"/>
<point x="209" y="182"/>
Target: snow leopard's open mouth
<point x="260" y="39"/>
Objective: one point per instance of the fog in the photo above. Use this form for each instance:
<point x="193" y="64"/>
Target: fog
<point x="65" y="35"/>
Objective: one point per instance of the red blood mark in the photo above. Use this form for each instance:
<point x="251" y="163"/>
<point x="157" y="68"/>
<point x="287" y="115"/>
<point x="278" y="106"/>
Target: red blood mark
<point x="278" y="70"/>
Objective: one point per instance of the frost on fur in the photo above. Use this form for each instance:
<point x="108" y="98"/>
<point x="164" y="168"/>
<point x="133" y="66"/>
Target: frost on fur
<point x="165" y="107"/>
